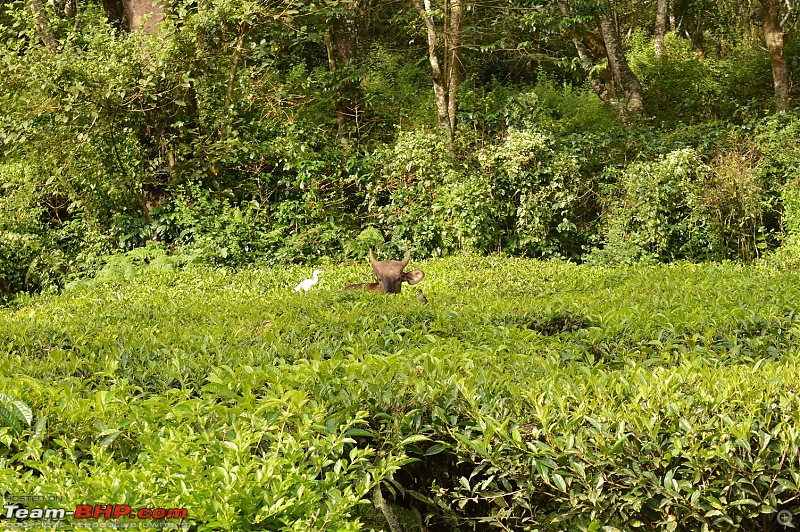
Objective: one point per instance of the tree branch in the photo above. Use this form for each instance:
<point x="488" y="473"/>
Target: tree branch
<point x="386" y="509"/>
<point x="237" y="55"/>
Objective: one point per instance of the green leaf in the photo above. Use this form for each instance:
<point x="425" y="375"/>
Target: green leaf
<point x="435" y="449"/>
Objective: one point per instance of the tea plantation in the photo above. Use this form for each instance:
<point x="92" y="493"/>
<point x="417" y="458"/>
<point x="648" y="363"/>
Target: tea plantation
<point x="525" y="396"/>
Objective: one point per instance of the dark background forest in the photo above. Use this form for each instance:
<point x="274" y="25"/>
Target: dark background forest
<point x="240" y="132"/>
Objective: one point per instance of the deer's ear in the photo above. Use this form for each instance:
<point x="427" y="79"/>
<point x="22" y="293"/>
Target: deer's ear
<point x="413" y="277"/>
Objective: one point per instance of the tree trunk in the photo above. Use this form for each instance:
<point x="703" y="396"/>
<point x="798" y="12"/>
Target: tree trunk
<point x="441" y="91"/>
<point x="65" y="9"/>
<point x="144" y="15"/>
<point x="774" y="35"/>
<point x="386" y="509"/>
<point x="602" y="84"/>
<point x="696" y="36"/>
<point x="617" y="85"/>
<point x="661" y="26"/>
<point x="621" y="72"/>
<point x="675" y="13"/>
<point x="237" y="56"/>
<point x="43" y="25"/>
<point x="453" y="64"/>
<point x="342" y="43"/>
<point x="73" y="11"/>
<point x="115" y="12"/>
<point x="132" y="15"/>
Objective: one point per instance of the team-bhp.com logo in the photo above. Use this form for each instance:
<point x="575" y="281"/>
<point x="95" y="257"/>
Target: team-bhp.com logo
<point x="87" y="511"/>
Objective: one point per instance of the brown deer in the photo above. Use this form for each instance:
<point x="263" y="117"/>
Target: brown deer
<point x="390" y="275"/>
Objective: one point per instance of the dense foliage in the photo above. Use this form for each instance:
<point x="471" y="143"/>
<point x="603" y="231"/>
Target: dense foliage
<point x="524" y="396"/>
<point x="242" y="132"/>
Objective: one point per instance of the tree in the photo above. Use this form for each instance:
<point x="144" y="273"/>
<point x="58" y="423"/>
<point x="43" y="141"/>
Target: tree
<point x="661" y="26"/>
<point x="773" y="15"/>
<point x="617" y="85"/>
<point x="342" y="42"/>
<point x="444" y="56"/>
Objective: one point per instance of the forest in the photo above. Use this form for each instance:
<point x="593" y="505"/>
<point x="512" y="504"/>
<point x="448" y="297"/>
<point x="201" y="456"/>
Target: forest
<point x="252" y="132"/>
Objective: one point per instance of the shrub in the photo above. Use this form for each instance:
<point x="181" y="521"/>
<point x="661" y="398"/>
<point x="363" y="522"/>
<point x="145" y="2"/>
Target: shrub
<point x="777" y="141"/>
<point x="788" y="255"/>
<point x="542" y="202"/>
<point x="649" y="216"/>
<point x="30" y="258"/>
<point x="490" y="109"/>
<point x="523" y="195"/>
<point x="730" y="201"/>
<point x="420" y="192"/>
<point x="678" y="207"/>
<point x="777" y="138"/>
<point x="17" y="252"/>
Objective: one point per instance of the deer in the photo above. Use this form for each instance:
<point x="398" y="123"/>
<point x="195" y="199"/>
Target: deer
<point x="390" y="275"/>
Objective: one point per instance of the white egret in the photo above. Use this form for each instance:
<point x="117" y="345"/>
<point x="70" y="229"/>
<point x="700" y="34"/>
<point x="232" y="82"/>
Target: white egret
<point x="306" y="284"/>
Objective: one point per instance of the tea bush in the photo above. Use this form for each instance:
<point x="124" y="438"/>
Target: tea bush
<point x="525" y="395"/>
